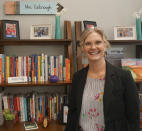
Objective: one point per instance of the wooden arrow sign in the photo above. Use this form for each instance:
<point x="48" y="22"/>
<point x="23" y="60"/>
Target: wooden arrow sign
<point x="31" y="7"/>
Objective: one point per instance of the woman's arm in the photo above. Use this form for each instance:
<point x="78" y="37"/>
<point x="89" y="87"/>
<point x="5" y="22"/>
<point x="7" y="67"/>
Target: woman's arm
<point x="131" y="103"/>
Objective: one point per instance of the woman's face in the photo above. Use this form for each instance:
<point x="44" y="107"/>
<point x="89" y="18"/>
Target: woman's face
<point x="94" y="47"/>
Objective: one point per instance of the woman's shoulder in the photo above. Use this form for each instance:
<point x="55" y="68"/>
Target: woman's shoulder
<point x="118" y="70"/>
<point x="81" y="72"/>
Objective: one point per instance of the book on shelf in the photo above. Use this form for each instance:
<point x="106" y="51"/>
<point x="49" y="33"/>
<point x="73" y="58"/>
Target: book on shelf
<point x="30" y="125"/>
<point x="33" y="107"/>
<point x="134" y="65"/>
<point x="114" y="56"/>
<point x="36" y="68"/>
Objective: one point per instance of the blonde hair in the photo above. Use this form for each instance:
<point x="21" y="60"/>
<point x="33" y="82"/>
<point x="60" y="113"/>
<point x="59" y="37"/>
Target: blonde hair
<point x="87" y="32"/>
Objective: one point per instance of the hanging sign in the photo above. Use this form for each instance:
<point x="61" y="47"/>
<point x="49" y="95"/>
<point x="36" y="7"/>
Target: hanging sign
<point x="32" y="7"/>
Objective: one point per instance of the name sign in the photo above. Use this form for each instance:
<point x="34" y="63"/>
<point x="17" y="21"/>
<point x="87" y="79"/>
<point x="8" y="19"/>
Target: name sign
<point x="32" y="7"/>
<point x="17" y="79"/>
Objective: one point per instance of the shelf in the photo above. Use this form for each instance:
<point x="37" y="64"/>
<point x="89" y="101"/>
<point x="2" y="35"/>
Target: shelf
<point x="53" y="126"/>
<point x="138" y="81"/>
<point x="125" y="42"/>
<point x="37" y="42"/>
<point x="31" y="84"/>
<point x="122" y="42"/>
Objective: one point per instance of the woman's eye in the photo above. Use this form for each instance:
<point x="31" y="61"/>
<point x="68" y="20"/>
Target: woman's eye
<point x="88" y="43"/>
<point x="98" y="42"/>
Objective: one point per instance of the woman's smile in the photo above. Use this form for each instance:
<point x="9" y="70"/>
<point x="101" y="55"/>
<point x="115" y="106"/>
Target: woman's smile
<point x="93" y="52"/>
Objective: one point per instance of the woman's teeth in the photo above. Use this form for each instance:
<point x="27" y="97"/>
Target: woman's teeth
<point x="93" y="53"/>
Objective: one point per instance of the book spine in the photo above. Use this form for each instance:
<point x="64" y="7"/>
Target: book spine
<point x="49" y="67"/>
<point x="40" y="108"/>
<point x="21" y="110"/>
<point x="52" y="64"/>
<point x="14" y="66"/>
<point x="25" y="109"/>
<point x="7" y="68"/>
<point x="19" y="66"/>
<point x="8" y="101"/>
<point x="32" y="68"/>
<point x="50" y="108"/>
<point x="3" y="68"/>
<point x="16" y="109"/>
<point x="17" y="72"/>
<point x="55" y="71"/>
<point x="43" y="66"/>
<point x="27" y="66"/>
<point x="38" y="68"/>
<point x="28" y="108"/>
<point x="46" y="68"/>
<point x="18" y="106"/>
<point x="34" y="107"/>
<point x="24" y="64"/>
<point x="11" y="66"/>
<point x="1" y="72"/>
<point x="5" y="102"/>
<point x="57" y="67"/>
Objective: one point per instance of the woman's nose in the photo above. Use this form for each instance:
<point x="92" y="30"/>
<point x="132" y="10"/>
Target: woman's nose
<point x="93" y="45"/>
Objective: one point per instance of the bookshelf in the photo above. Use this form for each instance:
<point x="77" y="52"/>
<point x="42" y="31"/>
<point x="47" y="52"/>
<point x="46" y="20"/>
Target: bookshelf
<point x="125" y="42"/>
<point x="137" y="43"/>
<point x="31" y="84"/>
<point x="67" y="44"/>
<point x="53" y="126"/>
<point x="37" y="42"/>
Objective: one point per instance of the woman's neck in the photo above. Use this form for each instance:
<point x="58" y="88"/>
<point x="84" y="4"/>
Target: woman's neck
<point x="97" y="69"/>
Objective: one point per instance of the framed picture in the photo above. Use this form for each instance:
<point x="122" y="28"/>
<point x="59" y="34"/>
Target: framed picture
<point x="124" y="33"/>
<point x="9" y="29"/>
<point x="41" y="31"/>
<point x="65" y="114"/>
<point x="89" y="24"/>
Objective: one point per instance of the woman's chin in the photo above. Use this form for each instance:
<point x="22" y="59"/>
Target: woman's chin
<point x="94" y="59"/>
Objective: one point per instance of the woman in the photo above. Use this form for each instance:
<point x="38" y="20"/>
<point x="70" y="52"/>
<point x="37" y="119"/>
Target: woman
<point x="103" y="97"/>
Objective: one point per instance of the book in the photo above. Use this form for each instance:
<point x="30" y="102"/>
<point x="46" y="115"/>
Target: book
<point x="30" y="125"/>
<point x="134" y="66"/>
<point x="114" y="56"/>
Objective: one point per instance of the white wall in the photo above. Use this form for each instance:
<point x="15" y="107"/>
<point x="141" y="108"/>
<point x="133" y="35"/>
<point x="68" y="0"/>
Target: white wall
<point x="107" y="14"/>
